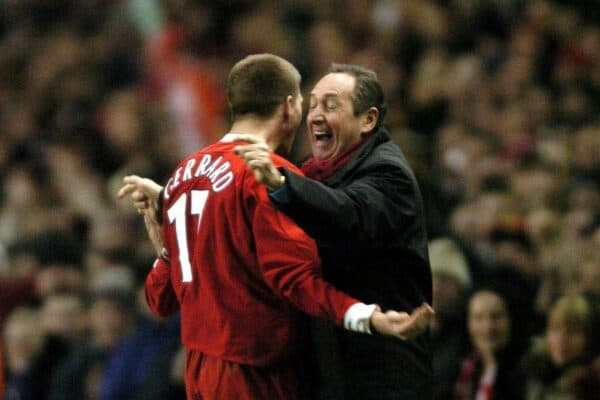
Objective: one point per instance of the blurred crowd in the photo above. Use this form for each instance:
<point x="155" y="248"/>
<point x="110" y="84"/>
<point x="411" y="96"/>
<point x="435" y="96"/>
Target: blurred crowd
<point x="495" y="104"/>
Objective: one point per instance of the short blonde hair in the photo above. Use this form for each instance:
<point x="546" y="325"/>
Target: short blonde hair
<point x="574" y="311"/>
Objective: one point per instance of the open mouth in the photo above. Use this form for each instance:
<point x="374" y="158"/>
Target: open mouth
<point x="323" y="136"/>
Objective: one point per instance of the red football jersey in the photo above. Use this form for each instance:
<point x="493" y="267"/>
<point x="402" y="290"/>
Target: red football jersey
<point x="237" y="265"/>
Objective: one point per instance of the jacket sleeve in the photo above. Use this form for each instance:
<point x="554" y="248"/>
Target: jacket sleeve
<point x="377" y="205"/>
<point x="290" y="264"/>
<point x="160" y="295"/>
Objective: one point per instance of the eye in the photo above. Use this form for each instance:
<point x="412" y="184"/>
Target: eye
<point x="312" y="104"/>
<point x="331" y="104"/>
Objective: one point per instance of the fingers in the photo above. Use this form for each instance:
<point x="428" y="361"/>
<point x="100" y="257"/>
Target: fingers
<point x="419" y="321"/>
<point x="138" y="195"/>
<point x="397" y="317"/>
<point x="258" y="159"/>
<point x="246" y="138"/>
<point x="407" y="326"/>
<point x="140" y="189"/>
<point x="133" y="180"/>
<point x="125" y="190"/>
<point x="258" y="174"/>
<point x="423" y="312"/>
<point x="255" y="155"/>
<point x="248" y="149"/>
<point x="132" y="183"/>
<point x="427" y="307"/>
<point x="258" y="164"/>
<point x="140" y="201"/>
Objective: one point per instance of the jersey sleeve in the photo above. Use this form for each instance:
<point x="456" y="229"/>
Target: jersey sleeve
<point x="289" y="262"/>
<point x="160" y="295"/>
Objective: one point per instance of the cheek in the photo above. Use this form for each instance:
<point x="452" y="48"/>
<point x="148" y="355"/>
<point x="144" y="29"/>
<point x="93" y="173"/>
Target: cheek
<point x="565" y="347"/>
<point x="575" y="345"/>
<point x="476" y="330"/>
<point x="503" y="333"/>
<point x="553" y="341"/>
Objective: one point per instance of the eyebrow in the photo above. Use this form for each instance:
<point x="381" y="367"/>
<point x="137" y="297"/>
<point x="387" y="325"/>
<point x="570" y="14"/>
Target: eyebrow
<point x="326" y="95"/>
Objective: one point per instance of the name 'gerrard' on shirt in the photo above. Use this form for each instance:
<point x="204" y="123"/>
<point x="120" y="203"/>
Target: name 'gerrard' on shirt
<point x="219" y="175"/>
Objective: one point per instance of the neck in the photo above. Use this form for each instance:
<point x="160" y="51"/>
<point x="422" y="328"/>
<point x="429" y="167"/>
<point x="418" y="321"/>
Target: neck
<point x="266" y="130"/>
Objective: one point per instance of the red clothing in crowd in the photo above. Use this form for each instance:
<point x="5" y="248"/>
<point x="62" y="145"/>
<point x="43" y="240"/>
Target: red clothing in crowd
<point x="238" y="266"/>
<point x="15" y="291"/>
<point x="191" y="92"/>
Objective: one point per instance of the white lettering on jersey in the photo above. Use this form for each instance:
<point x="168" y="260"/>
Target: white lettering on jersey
<point x="222" y="182"/>
<point x="187" y="172"/>
<point x="219" y="175"/>
<point x="219" y="171"/>
<point x="176" y="178"/>
<point x="203" y="164"/>
<point x="167" y="188"/>
<point x="212" y="166"/>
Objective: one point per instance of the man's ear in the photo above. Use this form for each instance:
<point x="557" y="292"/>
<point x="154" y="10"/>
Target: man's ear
<point x="288" y="106"/>
<point x="368" y="120"/>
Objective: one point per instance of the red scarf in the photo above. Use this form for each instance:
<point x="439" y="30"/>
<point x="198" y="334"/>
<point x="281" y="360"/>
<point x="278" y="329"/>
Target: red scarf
<point x="321" y="170"/>
<point x="468" y="379"/>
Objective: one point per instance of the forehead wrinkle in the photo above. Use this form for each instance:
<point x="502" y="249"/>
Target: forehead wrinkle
<point x="325" y="95"/>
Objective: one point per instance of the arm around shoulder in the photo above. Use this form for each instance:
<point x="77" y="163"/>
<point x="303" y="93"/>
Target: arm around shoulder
<point x="376" y="204"/>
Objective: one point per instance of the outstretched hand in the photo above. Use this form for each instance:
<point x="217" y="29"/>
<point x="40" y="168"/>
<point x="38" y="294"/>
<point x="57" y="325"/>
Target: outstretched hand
<point x="257" y="156"/>
<point x="401" y="324"/>
<point x="144" y="192"/>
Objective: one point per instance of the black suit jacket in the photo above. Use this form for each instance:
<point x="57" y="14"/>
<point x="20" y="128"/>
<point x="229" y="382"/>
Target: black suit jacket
<point x="369" y="225"/>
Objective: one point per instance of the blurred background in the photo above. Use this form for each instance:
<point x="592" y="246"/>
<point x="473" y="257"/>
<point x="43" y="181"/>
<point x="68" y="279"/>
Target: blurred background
<point x="495" y="104"/>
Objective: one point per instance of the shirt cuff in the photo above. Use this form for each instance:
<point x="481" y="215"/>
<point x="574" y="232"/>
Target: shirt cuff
<point x="358" y="317"/>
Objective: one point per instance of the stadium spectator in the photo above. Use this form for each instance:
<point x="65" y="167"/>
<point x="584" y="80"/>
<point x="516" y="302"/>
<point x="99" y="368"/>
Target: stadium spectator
<point x="566" y="351"/>
<point x="110" y="322"/>
<point x="28" y="358"/>
<point x="489" y="371"/>
<point x="451" y="287"/>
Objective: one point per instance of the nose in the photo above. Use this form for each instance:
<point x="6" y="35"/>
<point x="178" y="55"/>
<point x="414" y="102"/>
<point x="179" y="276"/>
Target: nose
<point x="315" y="116"/>
<point x="315" y="110"/>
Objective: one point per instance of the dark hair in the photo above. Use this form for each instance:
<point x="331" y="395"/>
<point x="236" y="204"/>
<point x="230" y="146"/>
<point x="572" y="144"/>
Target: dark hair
<point x="367" y="90"/>
<point x="259" y="83"/>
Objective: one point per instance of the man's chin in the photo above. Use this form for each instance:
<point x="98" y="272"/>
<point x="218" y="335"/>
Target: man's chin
<point x="320" y="154"/>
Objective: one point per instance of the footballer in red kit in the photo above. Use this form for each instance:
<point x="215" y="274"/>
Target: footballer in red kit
<point x="233" y="256"/>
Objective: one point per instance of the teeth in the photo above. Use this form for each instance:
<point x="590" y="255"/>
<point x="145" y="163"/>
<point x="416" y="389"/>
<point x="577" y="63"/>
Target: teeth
<point x="322" y="135"/>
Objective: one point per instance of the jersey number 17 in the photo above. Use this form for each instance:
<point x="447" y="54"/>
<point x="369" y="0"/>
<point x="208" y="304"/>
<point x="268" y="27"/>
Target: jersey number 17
<point x="177" y="215"/>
